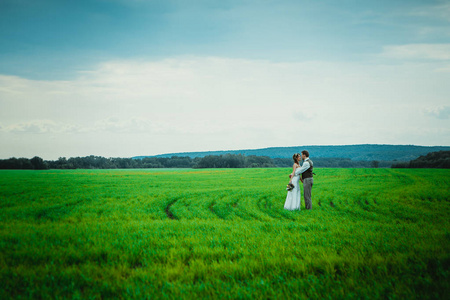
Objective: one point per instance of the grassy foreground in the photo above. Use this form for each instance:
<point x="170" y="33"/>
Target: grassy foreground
<point x="372" y="233"/>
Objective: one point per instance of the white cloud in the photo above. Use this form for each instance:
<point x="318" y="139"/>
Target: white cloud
<point x="111" y="125"/>
<point x="40" y="127"/>
<point x="126" y="108"/>
<point x="442" y="112"/>
<point x="418" y="51"/>
<point x="302" y="115"/>
<point x="114" y="124"/>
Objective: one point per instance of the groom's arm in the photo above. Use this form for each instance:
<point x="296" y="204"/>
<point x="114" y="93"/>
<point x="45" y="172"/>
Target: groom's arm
<point x="303" y="168"/>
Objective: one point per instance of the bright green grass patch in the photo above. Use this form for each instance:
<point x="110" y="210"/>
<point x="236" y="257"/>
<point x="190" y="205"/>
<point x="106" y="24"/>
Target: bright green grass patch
<point x="372" y="233"/>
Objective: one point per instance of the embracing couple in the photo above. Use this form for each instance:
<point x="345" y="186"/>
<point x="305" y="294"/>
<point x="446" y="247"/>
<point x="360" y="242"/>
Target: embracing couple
<point x="306" y="172"/>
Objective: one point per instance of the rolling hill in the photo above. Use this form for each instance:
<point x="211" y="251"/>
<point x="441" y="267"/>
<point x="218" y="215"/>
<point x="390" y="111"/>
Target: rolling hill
<point x="366" y="152"/>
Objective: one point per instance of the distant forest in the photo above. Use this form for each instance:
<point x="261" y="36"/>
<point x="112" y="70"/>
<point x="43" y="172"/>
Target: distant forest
<point x="439" y="159"/>
<point x="210" y="161"/>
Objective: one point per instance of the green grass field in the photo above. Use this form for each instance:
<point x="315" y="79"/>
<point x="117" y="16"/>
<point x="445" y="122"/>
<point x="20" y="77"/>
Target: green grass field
<point x="372" y="233"/>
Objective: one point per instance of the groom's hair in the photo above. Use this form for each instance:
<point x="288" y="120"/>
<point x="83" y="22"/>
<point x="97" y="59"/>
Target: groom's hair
<point x="306" y="153"/>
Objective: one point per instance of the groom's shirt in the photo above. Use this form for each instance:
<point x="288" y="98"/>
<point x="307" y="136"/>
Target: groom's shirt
<point x="303" y="168"/>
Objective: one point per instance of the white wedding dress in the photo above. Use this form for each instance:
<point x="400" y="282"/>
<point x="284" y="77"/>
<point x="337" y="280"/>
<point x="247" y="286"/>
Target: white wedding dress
<point x="293" y="196"/>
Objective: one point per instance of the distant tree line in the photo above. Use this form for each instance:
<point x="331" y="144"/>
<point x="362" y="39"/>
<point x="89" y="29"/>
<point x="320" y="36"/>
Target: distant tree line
<point x="99" y="162"/>
<point x="440" y="159"/>
<point x="210" y="161"/>
<point x="36" y="163"/>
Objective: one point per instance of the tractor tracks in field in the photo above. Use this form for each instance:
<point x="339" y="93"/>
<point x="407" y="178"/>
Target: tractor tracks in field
<point x="259" y="204"/>
<point x="59" y="211"/>
<point x="211" y="207"/>
<point x="167" y="210"/>
<point x="263" y="205"/>
<point x="269" y="211"/>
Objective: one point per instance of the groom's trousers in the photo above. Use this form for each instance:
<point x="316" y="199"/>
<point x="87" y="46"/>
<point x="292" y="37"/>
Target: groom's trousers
<point x="307" y="187"/>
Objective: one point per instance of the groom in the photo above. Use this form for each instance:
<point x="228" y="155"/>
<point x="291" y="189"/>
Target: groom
<point x="307" y="178"/>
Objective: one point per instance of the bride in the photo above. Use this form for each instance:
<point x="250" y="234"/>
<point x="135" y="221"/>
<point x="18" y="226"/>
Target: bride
<point x="293" y="195"/>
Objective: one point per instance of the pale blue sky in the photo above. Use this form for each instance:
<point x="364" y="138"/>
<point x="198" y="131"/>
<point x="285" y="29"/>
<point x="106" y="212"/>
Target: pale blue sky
<point x="76" y="76"/>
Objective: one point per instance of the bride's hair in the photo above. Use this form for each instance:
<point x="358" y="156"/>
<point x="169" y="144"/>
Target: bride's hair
<point x="295" y="157"/>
